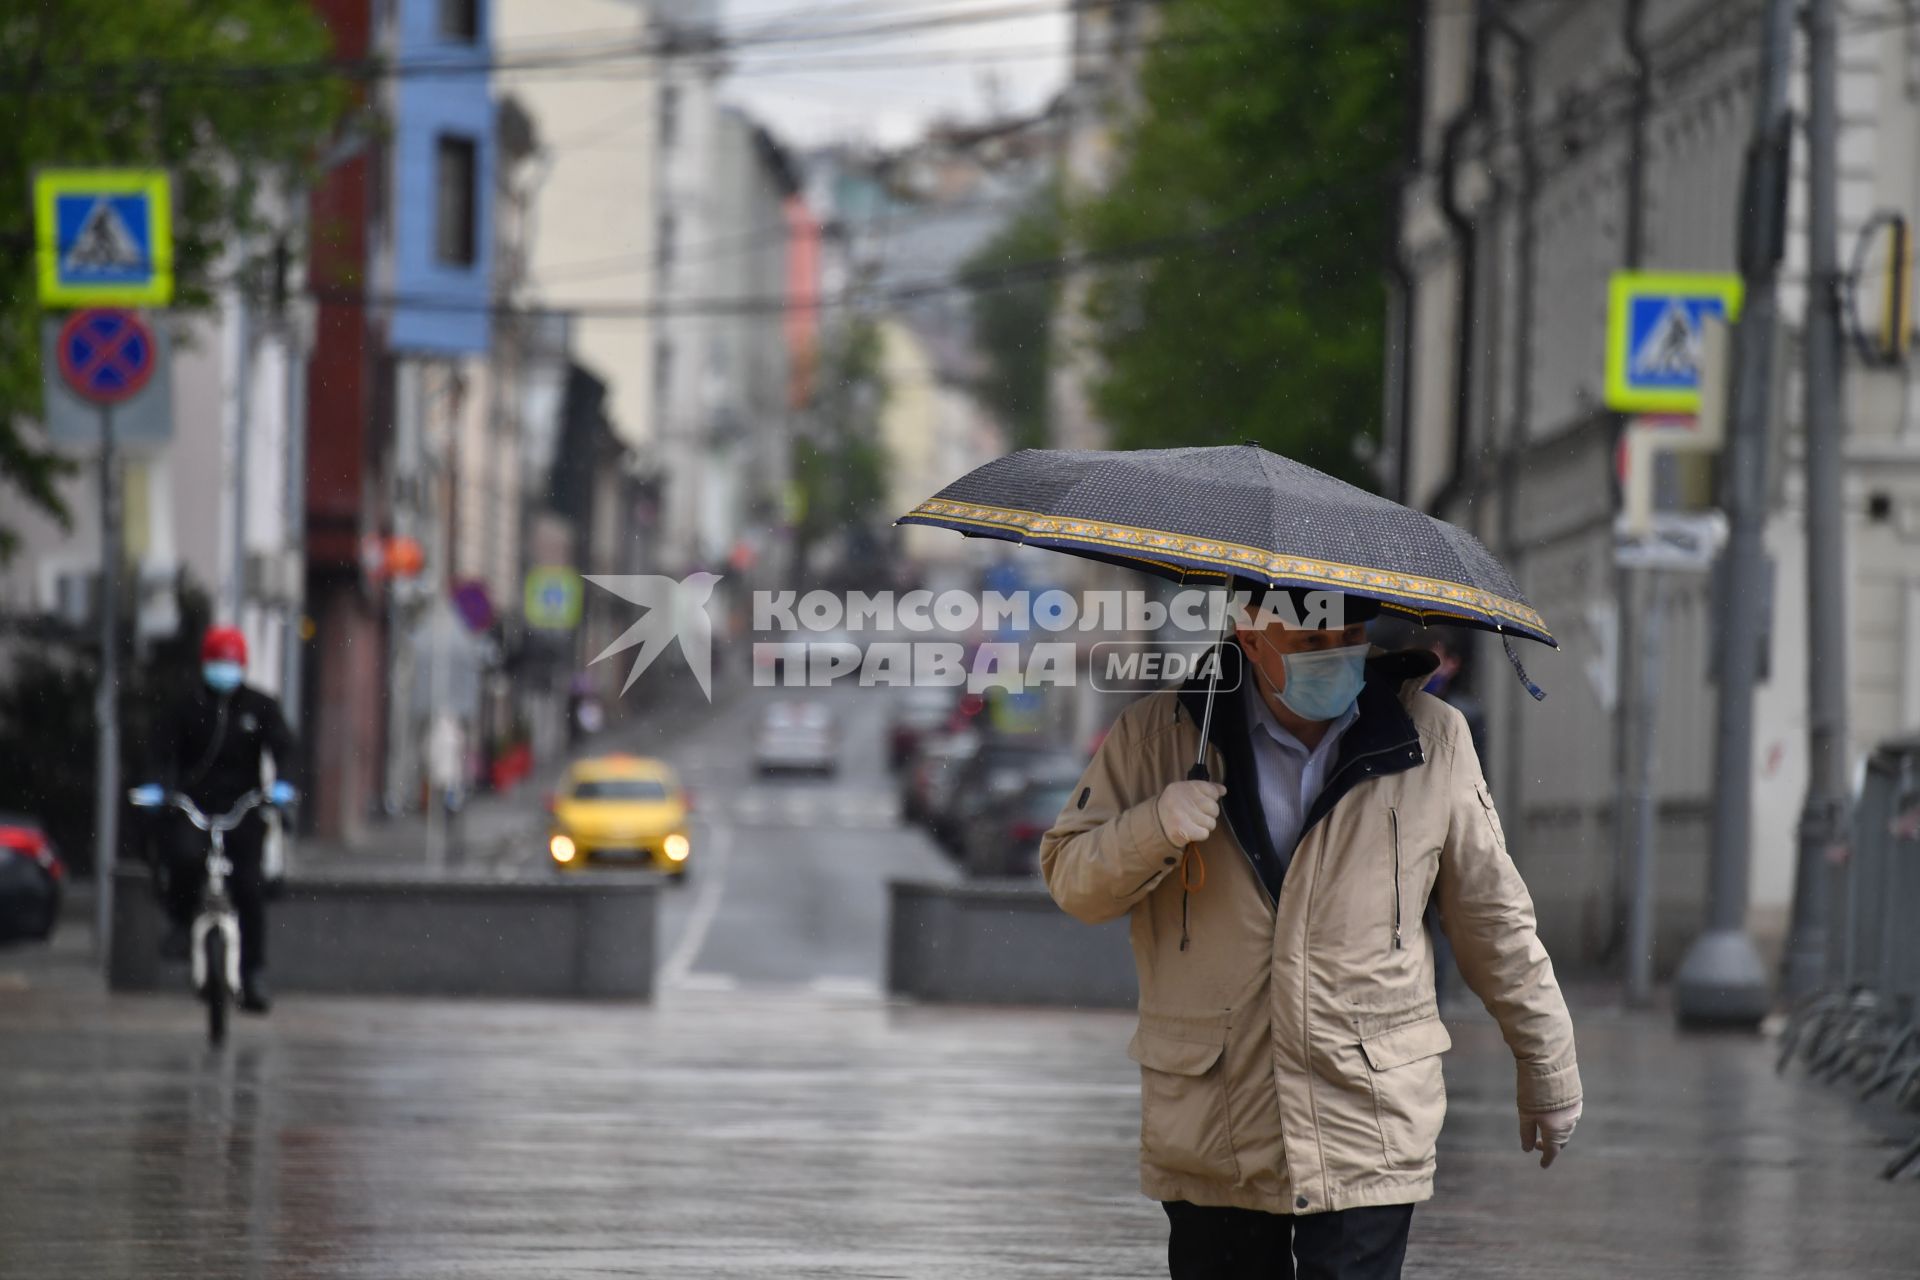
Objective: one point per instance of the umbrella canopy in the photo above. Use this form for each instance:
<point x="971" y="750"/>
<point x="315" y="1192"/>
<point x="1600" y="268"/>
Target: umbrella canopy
<point x="1236" y="511"/>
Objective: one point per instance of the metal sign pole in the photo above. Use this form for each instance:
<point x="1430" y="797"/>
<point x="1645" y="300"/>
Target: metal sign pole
<point x="1645" y="700"/>
<point x="1722" y="979"/>
<point x="106" y="699"/>
<point x="1823" y="817"/>
<point x="236" y="592"/>
<point x="103" y="241"/>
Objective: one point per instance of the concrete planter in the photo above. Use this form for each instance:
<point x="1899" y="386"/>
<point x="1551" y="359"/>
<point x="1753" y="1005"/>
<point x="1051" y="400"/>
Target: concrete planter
<point x="582" y="936"/>
<point x="1002" y="942"/>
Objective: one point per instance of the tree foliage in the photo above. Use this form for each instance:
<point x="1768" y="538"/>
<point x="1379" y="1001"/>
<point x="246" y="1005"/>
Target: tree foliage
<point x="188" y="85"/>
<point x="1261" y="157"/>
<point x="1013" y="317"/>
<point x="840" y="466"/>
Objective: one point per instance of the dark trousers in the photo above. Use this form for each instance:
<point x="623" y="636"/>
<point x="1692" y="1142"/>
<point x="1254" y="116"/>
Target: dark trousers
<point x="184" y="875"/>
<point x="1242" y="1244"/>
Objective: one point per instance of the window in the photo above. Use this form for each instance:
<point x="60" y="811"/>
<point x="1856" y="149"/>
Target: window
<point x="621" y="789"/>
<point x="669" y="116"/>
<point x="662" y="368"/>
<point x="460" y="20"/>
<point x="663" y="246"/>
<point x="455" y="230"/>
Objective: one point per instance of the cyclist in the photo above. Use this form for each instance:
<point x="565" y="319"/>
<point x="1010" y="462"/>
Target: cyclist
<point x="210" y="745"/>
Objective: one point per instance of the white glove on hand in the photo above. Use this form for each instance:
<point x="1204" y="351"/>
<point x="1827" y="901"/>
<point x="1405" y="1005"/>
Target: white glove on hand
<point x="1188" y="811"/>
<point x="1548" y="1131"/>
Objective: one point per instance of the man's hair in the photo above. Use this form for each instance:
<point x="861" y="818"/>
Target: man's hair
<point x="1352" y="608"/>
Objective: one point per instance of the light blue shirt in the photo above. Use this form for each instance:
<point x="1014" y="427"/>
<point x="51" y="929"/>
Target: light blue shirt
<point x="1291" y="777"/>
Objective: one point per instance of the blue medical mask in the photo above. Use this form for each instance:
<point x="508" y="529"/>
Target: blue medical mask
<point x="224" y="677"/>
<point x="1323" y="683"/>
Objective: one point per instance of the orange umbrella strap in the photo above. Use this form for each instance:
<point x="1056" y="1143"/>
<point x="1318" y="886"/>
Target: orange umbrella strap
<point x="1193" y="869"/>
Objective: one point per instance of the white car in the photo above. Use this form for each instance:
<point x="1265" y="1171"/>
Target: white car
<point x="797" y="737"/>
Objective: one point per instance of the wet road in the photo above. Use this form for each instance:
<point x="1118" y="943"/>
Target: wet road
<point x="793" y="889"/>
<point x="771" y="1116"/>
<point x="787" y="886"/>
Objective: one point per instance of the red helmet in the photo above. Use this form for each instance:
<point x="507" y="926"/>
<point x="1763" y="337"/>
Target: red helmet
<point x="224" y="644"/>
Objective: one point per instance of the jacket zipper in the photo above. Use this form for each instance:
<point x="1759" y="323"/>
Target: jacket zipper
<point x="1308" y="830"/>
<point x="1330" y="783"/>
<point x="1246" y="857"/>
<point x="1393" y="820"/>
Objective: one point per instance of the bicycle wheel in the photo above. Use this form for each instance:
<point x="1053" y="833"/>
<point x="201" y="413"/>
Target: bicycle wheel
<point x="215" y="993"/>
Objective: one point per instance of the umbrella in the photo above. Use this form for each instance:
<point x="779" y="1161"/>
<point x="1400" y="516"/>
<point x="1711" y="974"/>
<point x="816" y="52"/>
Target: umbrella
<point x="1239" y="511"/>
<point x="1236" y="511"/>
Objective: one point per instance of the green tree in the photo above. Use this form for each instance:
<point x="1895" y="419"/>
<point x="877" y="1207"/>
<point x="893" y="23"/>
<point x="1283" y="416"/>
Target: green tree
<point x="1013" y="317"/>
<point x="840" y="466"/>
<point x="188" y="85"/>
<point x="1260" y="161"/>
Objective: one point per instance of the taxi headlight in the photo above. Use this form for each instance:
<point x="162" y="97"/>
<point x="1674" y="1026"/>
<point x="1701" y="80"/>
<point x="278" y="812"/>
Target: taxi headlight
<point x="562" y="848"/>
<point x="677" y="847"/>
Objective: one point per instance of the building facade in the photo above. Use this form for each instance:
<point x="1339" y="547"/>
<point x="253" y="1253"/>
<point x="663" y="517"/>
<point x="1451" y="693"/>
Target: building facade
<point x="1554" y="145"/>
<point x="400" y="267"/>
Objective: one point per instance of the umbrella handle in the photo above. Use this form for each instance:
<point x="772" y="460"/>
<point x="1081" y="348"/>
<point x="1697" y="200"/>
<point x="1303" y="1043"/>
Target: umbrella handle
<point x="1193" y="867"/>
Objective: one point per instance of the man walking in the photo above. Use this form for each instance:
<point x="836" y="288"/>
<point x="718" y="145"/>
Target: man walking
<point x="1288" y="1041"/>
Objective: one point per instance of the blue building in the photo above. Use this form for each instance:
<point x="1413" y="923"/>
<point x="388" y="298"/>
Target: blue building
<point x="441" y="162"/>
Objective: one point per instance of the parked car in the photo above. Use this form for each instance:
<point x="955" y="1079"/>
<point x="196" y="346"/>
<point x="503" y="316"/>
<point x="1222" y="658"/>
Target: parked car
<point x="1001" y="767"/>
<point x="31" y="879"/>
<point x="797" y="736"/>
<point x="620" y="809"/>
<point x="1003" y="839"/>
<point x="916" y="712"/>
<point x="927" y="785"/>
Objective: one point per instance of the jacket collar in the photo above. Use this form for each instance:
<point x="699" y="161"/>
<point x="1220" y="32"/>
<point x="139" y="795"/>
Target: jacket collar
<point x="1381" y="740"/>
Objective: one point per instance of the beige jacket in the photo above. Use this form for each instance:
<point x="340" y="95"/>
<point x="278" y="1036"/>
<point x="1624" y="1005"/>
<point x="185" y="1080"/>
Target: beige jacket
<point x="1290" y="1055"/>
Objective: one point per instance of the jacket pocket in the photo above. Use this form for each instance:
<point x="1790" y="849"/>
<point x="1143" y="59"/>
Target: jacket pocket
<point x="1184" y="1125"/>
<point x="1493" y="814"/>
<point x="1409" y="1092"/>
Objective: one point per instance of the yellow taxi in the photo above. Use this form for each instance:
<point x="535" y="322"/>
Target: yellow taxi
<point x="619" y="810"/>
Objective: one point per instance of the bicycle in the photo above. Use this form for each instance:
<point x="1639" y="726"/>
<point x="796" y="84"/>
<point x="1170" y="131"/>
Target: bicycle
<point x="215" y="947"/>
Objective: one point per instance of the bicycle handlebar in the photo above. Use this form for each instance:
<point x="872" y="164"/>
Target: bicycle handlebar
<point x="227" y="821"/>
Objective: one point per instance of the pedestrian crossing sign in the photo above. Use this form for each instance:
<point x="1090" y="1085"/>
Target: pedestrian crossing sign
<point x="103" y="237"/>
<point x="1654" y="336"/>
<point x="552" y="598"/>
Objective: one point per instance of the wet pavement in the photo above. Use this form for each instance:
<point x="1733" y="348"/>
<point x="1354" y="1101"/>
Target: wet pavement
<point x="782" y="1132"/>
<point x="772" y="1115"/>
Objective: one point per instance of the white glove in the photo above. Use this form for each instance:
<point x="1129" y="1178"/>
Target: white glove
<point x="1548" y="1131"/>
<point x="1188" y="811"/>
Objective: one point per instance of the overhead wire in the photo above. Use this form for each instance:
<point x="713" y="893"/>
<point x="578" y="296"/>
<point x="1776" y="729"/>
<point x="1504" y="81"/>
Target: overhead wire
<point x="626" y="58"/>
<point x="468" y="61"/>
<point x="1596" y="118"/>
<point x="1006" y="275"/>
<point x="1021" y="272"/>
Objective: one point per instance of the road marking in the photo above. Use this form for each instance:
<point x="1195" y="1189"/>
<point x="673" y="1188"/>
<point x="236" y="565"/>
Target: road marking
<point x="707" y="982"/>
<point x="759" y="806"/>
<point x="713" y="881"/>
<point x="860" y="988"/>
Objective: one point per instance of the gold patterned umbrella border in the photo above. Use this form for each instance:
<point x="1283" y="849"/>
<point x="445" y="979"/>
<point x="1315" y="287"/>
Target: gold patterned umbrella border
<point x="1415" y="591"/>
